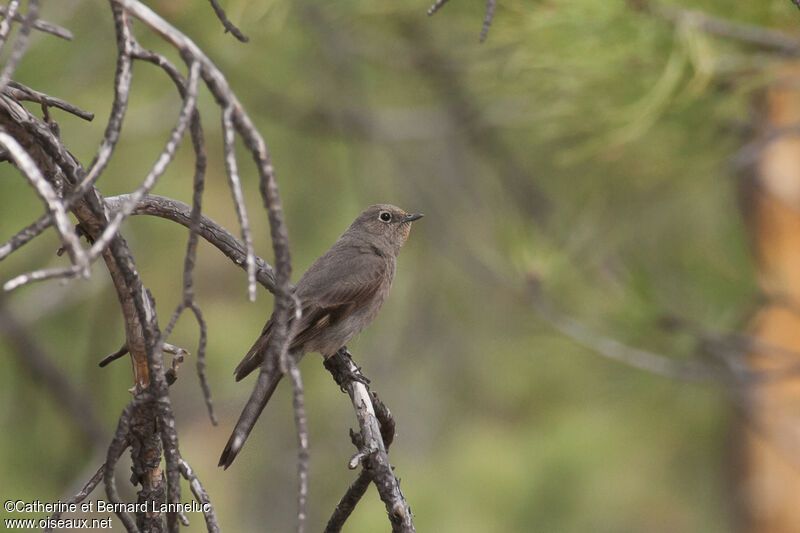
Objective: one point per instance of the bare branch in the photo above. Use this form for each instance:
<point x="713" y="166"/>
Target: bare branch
<point x="613" y="349"/>
<point x="359" y="487"/>
<point x="122" y="352"/>
<point x="164" y="159"/>
<point x="781" y="42"/>
<point x="209" y="230"/>
<point x="115" y="450"/>
<point x="348" y="503"/>
<point x="218" y="86"/>
<point x="38" y="24"/>
<point x="201" y="496"/>
<point x="20" y="43"/>
<point x="80" y="495"/>
<point x="236" y="187"/>
<point x="435" y="7"/>
<point x="19" y="92"/>
<point x="194" y="220"/>
<point x="122" y="84"/>
<point x="372" y="447"/>
<point x="45" y="190"/>
<point x="10" y="15"/>
<point x="229" y="26"/>
<point x="110" y="231"/>
<point x="201" y="362"/>
<point x="301" y="422"/>
<point x="488" y="17"/>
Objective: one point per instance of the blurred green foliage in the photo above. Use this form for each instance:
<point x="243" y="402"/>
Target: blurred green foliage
<point x="585" y="142"/>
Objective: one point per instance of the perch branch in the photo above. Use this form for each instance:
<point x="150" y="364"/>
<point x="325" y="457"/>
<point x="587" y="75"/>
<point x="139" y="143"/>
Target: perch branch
<point x="359" y="487"/>
<point x="372" y="450"/>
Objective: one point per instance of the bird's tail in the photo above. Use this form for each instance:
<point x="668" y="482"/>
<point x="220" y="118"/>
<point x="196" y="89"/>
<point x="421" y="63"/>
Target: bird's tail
<point x="255" y="356"/>
<point x="267" y="382"/>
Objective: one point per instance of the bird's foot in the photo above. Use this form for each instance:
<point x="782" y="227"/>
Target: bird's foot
<point x="344" y="369"/>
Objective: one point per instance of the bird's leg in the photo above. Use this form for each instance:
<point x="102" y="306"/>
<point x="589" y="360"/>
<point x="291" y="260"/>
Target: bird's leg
<point x="354" y="375"/>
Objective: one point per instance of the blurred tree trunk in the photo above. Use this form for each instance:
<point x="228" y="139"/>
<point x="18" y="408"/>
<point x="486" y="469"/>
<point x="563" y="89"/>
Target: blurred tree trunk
<point x="768" y="477"/>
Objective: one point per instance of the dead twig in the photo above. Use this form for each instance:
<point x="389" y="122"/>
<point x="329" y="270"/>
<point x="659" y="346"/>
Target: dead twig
<point x="488" y="15"/>
<point x="38" y="24"/>
<point x="372" y="447"/>
<point x="227" y="24"/>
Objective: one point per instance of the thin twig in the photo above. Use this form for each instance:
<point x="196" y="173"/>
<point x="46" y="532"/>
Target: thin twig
<point x="45" y="190"/>
<point x="229" y="26"/>
<point x="80" y="495"/>
<point x="5" y="26"/>
<point x="615" y="350"/>
<point x="110" y="231"/>
<point x="301" y="422"/>
<point x="435" y="7"/>
<point x="232" y="169"/>
<point x="195" y="219"/>
<point x="20" y="43"/>
<point x="23" y="92"/>
<point x="211" y="231"/>
<point x="122" y="84"/>
<point x="201" y="496"/>
<point x="372" y="450"/>
<point x="164" y="159"/>
<point x="359" y="487"/>
<point x="201" y="361"/>
<point x="115" y="450"/>
<point x="783" y="43"/>
<point x="39" y="24"/>
<point x="488" y="17"/>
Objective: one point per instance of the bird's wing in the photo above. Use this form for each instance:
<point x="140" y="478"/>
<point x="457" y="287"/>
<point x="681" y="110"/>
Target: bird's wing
<point x="336" y="285"/>
<point x="333" y="287"/>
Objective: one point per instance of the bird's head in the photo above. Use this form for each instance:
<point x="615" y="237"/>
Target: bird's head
<point x="386" y="223"/>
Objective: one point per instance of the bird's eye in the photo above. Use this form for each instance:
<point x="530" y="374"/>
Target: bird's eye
<point x="385" y="216"/>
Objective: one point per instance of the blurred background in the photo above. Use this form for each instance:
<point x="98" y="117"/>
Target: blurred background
<point x="600" y="148"/>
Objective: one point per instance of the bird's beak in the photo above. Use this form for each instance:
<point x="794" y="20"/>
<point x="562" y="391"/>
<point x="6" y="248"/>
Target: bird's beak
<point x="412" y="217"/>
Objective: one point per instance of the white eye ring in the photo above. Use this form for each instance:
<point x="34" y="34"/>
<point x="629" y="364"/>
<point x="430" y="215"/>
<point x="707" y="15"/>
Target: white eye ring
<point x="385" y="216"/>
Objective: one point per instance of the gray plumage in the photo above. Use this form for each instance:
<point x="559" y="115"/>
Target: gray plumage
<point x="340" y="295"/>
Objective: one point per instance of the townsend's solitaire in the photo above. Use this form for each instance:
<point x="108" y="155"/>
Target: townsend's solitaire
<point x="340" y="294"/>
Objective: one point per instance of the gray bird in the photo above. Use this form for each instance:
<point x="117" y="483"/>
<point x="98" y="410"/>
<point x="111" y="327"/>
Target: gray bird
<point x="340" y="295"/>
